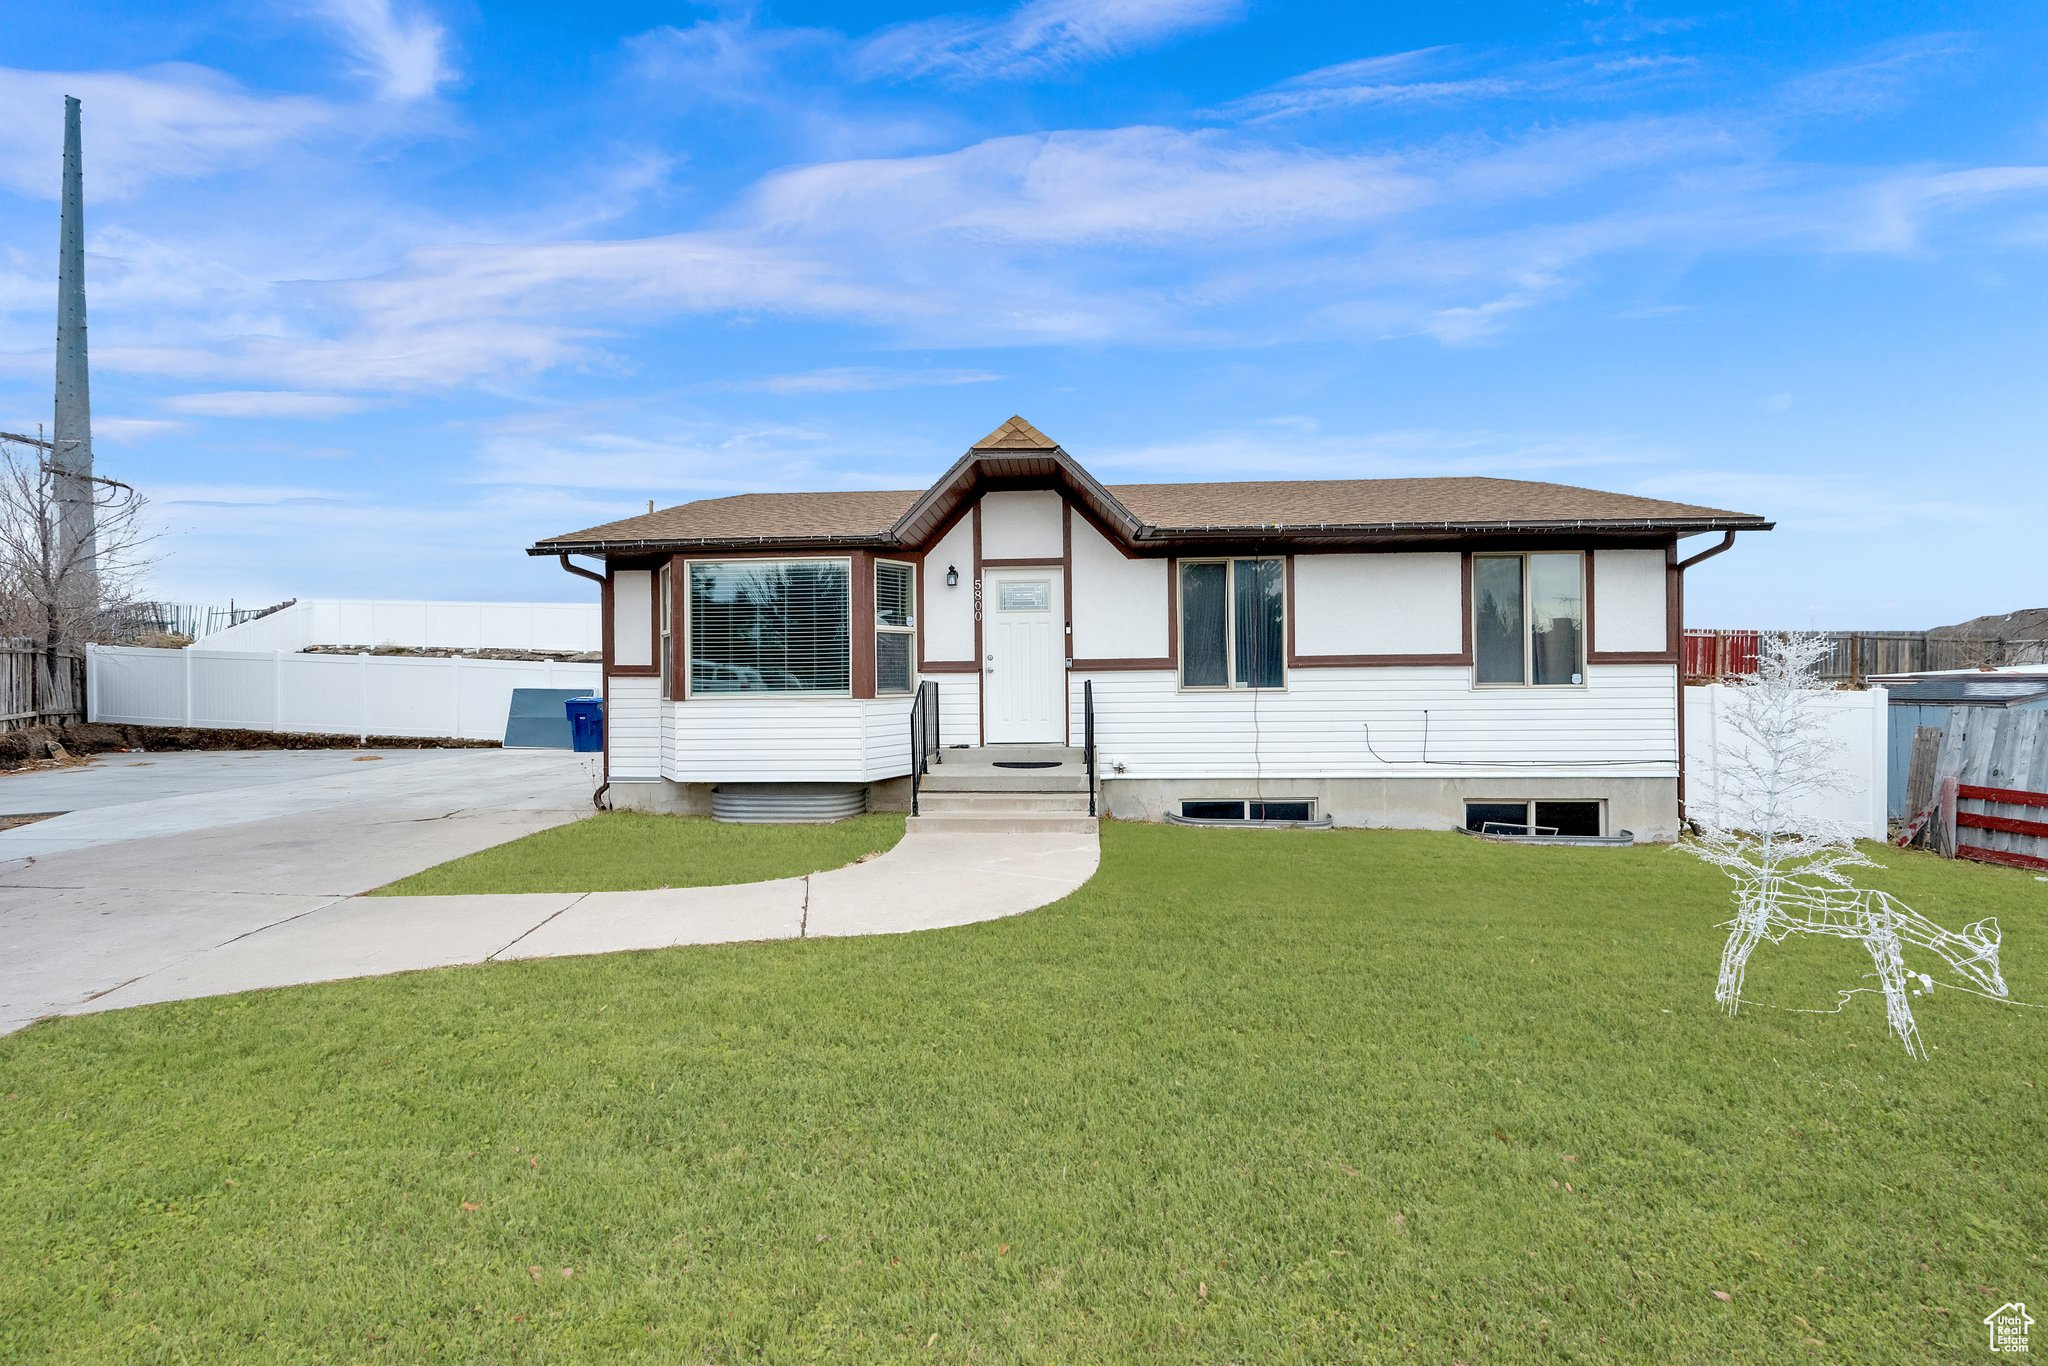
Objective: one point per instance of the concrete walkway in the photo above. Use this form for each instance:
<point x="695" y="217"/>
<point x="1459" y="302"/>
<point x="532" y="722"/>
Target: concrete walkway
<point x="159" y="857"/>
<point x="183" y="875"/>
<point x="928" y="881"/>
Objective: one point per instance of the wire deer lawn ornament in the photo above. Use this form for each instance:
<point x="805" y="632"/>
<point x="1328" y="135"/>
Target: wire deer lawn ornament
<point x="1788" y="863"/>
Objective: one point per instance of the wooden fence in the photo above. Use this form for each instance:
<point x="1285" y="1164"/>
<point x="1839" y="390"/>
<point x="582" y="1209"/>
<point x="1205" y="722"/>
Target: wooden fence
<point x="1978" y="789"/>
<point x="1856" y="655"/>
<point x="34" y="694"/>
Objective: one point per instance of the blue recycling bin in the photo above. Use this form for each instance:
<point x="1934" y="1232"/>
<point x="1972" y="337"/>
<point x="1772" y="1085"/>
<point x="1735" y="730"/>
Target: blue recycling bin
<point x="586" y="724"/>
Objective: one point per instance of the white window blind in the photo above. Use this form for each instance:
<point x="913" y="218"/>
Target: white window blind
<point x="769" y="626"/>
<point x="895" y="626"/>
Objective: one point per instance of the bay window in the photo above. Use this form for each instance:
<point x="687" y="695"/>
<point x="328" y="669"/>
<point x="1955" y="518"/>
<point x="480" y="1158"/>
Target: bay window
<point x="1529" y="619"/>
<point x="895" y="627"/>
<point x="1233" y="624"/>
<point x="770" y="626"/>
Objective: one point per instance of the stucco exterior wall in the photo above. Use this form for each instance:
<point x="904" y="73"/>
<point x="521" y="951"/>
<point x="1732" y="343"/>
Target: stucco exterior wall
<point x="1120" y="605"/>
<point x="1021" y="525"/>
<point x="633" y="618"/>
<point x="1628" y="601"/>
<point x="1392" y="604"/>
<point x="949" y="612"/>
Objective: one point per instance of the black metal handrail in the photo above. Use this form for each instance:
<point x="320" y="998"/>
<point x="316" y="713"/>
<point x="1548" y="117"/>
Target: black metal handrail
<point x="924" y="736"/>
<point x="1088" y="736"/>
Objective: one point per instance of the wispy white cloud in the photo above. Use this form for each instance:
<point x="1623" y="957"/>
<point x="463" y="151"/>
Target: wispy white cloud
<point x="855" y="379"/>
<point x="264" y="403"/>
<point x="1036" y="38"/>
<point x="158" y="122"/>
<point x="405" y="54"/>
<point x="1440" y="76"/>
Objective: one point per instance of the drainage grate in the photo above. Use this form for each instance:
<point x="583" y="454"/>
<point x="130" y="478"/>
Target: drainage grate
<point x="1027" y="763"/>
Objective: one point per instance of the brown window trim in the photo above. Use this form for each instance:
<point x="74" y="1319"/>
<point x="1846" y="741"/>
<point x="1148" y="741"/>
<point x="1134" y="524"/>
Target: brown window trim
<point x="1461" y="659"/>
<point x="1673" y="638"/>
<point x="680" y="636"/>
<point x="607" y="647"/>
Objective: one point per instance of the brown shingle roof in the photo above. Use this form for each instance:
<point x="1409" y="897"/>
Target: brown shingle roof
<point x="1462" y="501"/>
<point x="1326" y="510"/>
<point x="855" y="515"/>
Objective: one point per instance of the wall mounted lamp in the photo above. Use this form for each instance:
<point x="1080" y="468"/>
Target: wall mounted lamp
<point x="952" y="577"/>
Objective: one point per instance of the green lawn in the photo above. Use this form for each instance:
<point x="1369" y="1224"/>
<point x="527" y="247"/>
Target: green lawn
<point x="627" y="851"/>
<point x="1258" y="1097"/>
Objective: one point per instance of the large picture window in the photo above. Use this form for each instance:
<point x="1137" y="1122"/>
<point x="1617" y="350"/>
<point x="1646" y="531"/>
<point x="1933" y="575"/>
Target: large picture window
<point x="1529" y="619"/>
<point x="1233" y="624"/>
<point x="895" y="627"/>
<point x="769" y="626"/>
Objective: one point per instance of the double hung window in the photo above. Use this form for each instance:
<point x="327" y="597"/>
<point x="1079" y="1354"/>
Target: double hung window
<point x="666" y="607"/>
<point x="895" y="627"/>
<point x="1233" y="624"/>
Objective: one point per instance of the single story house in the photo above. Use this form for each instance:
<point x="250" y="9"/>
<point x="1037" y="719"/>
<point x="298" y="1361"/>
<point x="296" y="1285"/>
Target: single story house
<point x="1427" y="652"/>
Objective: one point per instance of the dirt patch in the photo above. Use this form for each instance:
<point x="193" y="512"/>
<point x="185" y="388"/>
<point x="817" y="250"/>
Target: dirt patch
<point x="21" y="818"/>
<point x="42" y="746"/>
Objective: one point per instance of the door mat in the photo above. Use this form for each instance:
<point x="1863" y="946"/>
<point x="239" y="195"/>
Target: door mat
<point x="1027" y="763"/>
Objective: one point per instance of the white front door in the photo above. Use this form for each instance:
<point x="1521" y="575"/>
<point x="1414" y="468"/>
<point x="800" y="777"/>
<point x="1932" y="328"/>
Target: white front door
<point x="1024" y="663"/>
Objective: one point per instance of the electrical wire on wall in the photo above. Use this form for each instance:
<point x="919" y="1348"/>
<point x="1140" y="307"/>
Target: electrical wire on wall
<point x="1496" y="763"/>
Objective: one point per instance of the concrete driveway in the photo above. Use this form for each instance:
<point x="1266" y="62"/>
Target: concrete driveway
<point x="161" y="857"/>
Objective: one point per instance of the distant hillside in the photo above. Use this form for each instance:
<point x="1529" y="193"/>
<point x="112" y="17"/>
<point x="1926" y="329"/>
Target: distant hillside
<point x="2030" y="623"/>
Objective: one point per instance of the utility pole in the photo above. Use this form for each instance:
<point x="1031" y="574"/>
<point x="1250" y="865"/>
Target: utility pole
<point x="71" y="436"/>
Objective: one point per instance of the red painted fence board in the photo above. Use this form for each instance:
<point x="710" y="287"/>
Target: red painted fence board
<point x="2004" y="856"/>
<point x="2009" y="824"/>
<point x="2002" y="794"/>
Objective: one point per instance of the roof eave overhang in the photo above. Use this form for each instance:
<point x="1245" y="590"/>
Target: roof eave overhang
<point x="669" y="545"/>
<point x="1357" y="533"/>
<point x="984" y="466"/>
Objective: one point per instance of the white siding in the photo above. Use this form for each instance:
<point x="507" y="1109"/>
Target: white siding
<point x="791" y="740"/>
<point x="1120" y="605"/>
<point x="668" y="738"/>
<point x="1370" y="723"/>
<point x="632" y="723"/>
<point x="959" y="708"/>
<point x="1628" y="600"/>
<point x="633" y="618"/>
<point x="1396" y="604"/>
<point x="888" y="737"/>
<point x="949" y="612"/>
<point x="1021" y="525"/>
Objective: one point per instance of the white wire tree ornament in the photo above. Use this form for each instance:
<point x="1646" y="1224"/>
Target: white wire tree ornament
<point x="1788" y="863"/>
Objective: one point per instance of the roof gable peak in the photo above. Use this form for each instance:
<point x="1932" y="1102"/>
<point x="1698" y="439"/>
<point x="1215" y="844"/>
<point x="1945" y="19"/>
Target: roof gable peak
<point x="1016" y="435"/>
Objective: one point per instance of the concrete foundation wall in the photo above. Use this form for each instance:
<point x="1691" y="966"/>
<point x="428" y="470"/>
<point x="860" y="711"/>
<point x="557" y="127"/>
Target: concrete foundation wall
<point x="1647" y="806"/>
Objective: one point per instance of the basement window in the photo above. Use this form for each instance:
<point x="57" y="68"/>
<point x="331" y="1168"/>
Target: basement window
<point x="1253" y="810"/>
<point x="1576" y="819"/>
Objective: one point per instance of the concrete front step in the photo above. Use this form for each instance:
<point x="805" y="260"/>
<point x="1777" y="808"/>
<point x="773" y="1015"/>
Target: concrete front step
<point x="944" y="803"/>
<point x="947" y="778"/>
<point x="1002" y="823"/>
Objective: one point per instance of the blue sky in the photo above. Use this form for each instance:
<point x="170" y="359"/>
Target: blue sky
<point x="381" y="291"/>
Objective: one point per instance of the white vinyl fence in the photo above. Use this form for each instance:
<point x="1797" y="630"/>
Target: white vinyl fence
<point x="569" y="626"/>
<point x="465" y="699"/>
<point x="1857" y="721"/>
